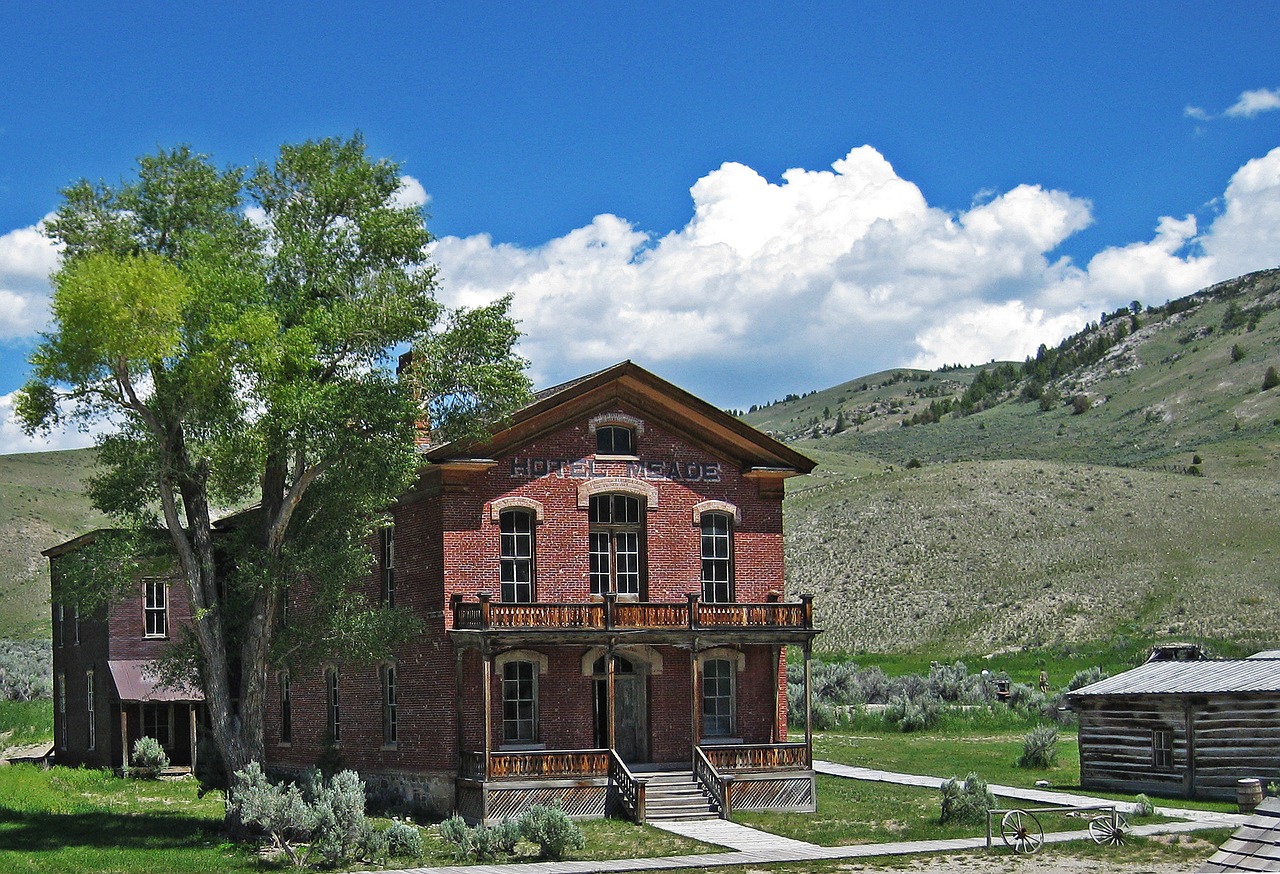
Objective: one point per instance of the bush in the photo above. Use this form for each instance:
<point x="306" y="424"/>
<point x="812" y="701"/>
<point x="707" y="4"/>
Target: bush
<point x="404" y="839"/>
<point x="1270" y="379"/>
<point x="552" y="830"/>
<point x="1142" y="806"/>
<point x="280" y="811"/>
<point x="966" y="802"/>
<point x="148" y="758"/>
<point x="1086" y="677"/>
<point x="1080" y="404"/>
<point x="339" y="820"/>
<point x="1039" y="748"/>
<point x="483" y="843"/>
<point x="908" y="714"/>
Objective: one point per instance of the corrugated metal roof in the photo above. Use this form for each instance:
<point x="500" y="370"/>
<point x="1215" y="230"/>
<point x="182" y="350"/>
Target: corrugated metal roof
<point x="1266" y="654"/>
<point x="136" y="680"/>
<point x="1191" y="678"/>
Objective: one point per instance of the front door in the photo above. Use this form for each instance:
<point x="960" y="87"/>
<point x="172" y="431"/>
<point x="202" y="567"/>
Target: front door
<point x="630" y="713"/>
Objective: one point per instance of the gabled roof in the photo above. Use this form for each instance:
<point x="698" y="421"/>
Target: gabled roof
<point x="630" y="385"/>
<point x="1190" y="678"/>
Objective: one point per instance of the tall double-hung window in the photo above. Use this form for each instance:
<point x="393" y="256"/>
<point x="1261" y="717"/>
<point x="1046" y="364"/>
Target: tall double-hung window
<point x="616" y="544"/>
<point x="717" y="698"/>
<point x="519" y="702"/>
<point x="516" y="527"/>
<point x="155" y="608"/>
<point x="717" y="557"/>
<point x="388" y="562"/>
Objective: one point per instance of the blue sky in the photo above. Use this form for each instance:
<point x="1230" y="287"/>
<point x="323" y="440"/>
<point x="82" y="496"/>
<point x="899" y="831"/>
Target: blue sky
<point x="959" y="184"/>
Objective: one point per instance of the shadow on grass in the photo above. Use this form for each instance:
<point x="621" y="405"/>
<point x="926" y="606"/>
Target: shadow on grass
<point x="153" y="830"/>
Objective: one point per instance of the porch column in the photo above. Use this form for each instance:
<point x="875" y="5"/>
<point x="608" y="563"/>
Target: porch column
<point x="191" y="720"/>
<point x="778" y="731"/>
<point x="808" y="702"/>
<point x="695" y="700"/>
<point x="124" y="735"/>
<point x="610" y="727"/>
<point x="457" y="704"/>
<point x="487" y="703"/>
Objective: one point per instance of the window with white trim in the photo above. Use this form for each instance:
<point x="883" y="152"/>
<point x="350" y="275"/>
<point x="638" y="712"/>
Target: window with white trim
<point x="616" y="544"/>
<point x="388" y="561"/>
<point x="717" y="557"/>
<point x="58" y="615"/>
<point x="62" y="711"/>
<point x="155" y="608"/>
<point x="717" y="698"/>
<point x="615" y="440"/>
<point x="516" y="558"/>
<point x="519" y="702"/>
<point x="1161" y="748"/>
<point x="334" y="707"/>
<point x="89" y="705"/>
<point x="390" y="718"/>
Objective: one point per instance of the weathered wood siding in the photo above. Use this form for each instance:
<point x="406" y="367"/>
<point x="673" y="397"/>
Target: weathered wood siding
<point x="1216" y="740"/>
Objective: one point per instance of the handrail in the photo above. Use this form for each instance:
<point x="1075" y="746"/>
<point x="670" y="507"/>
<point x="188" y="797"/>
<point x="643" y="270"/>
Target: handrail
<point x="485" y="614"/>
<point x="717" y="785"/>
<point x="759" y="757"/>
<point x="509" y="765"/>
<point x="630" y="789"/>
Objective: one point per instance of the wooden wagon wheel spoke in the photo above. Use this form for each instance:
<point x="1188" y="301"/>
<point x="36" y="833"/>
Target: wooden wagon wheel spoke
<point x="1106" y="831"/>
<point x="1021" y="831"/>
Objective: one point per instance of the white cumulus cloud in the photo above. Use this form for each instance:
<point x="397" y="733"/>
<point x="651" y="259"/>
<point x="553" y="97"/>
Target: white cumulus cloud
<point x="1251" y="103"/>
<point x="27" y="258"/>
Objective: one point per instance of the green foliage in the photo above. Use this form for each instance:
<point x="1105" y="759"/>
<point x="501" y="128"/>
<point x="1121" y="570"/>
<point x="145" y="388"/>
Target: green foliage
<point x="1085" y="677"/>
<point x="1039" y="748"/>
<point x="26" y="722"/>
<point x="1270" y="379"/>
<point x="404" y="839"/>
<point x="1081" y="404"/>
<point x="278" y="809"/>
<point x="26" y="669"/>
<point x="148" y="758"/>
<point x="965" y="802"/>
<point x="908" y="714"/>
<point x="1143" y="807"/>
<point x="1237" y="353"/>
<point x="551" y="829"/>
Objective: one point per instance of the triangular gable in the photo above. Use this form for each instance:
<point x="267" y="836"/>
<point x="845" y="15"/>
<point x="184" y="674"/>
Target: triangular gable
<point x="629" y="385"/>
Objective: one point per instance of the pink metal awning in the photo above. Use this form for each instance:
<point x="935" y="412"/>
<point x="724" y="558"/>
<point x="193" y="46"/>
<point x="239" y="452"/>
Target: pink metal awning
<point x="136" y="680"/>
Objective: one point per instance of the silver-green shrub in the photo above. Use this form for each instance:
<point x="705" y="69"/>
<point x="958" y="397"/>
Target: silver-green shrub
<point x="1039" y="748"/>
<point x="148" y="758"/>
<point x="965" y="802"/>
<point x="404" y="839"/>
<point x="552" y="830"/>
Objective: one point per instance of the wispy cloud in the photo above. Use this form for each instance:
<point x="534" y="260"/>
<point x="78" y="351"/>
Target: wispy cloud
<point x="1247" y="105"/>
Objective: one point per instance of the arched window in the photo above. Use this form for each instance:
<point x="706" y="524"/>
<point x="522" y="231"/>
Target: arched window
<point x="615" y="440"/>
<point x="516" y="555"/>
<point x="717" y="557"/>
<point x="717" y="698"/>
<point x="616" y="544"/>
<point x="519" y="702"/>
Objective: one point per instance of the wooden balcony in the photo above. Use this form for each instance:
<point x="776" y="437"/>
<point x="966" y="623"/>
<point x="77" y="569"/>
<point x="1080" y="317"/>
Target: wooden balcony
<point x="794" y="619"/>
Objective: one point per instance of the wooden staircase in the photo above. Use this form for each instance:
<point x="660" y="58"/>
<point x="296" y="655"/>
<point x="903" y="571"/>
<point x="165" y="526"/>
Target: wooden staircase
<point x="676" y="795"/>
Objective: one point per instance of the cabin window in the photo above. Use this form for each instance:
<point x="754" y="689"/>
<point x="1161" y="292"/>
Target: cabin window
<point x="286" y="709"/>
<point x="334" y="725"/>
<point x="617" y="535"/>
<point x="58" y="621"/>
<point x="388" y="558"/>
<point x="390" y="733"/>
<point x="62" y="711"/>
<point x="717" y="557"/>
<point x="155" y="608"/>
<point x="519" y="702"/>
<point x="717" y="698"/>
<point x="93" y="722"/>
<point x="516" y="560"/>
<point x="1162" y="748"/>
<point x="615" y="440"/>
<point x="75" y="620"/>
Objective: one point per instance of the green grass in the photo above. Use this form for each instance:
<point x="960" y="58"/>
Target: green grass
<point x="25" y="722"/>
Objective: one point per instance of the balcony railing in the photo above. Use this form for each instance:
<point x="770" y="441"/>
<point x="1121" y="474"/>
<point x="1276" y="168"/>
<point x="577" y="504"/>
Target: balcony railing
<point x="484" y="614"/>
<point x="757" y="757"/>
<point x="535" y="763"/>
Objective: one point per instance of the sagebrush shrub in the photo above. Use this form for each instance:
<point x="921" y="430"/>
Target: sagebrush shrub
<point x="1142" y="806"/>
<point x="148" y="758"/>
<point x="552" y="830"/>
<point x="1039" y="748"/>
<point x="1086" y="677"/>
<point x="965" y="802"/>
<point x="404" y="839"/>
<point x="907" y="715"/>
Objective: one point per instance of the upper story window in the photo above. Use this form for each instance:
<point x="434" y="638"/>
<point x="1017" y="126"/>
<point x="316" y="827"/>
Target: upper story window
<point x="519" y="702"/>
<point x="388" y="561"/>
<point x="58" y="616"/>
<point x="334" y="724"/>
<point x="155" y="608"/>
<point x="717" y="557"/>
<point x="615" y="440"/>
<point x="616" y="544"/>
<point x="286" y="709"/>
<point x="390" y="717"/>
<point x="516" y="560"/>
<point x="91" y="710"/>
<point x="75" y="623"/>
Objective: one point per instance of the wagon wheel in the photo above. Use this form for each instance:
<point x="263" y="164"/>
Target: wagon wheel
<point x="1107" y="832"/>
<point x="1022" y="831"/>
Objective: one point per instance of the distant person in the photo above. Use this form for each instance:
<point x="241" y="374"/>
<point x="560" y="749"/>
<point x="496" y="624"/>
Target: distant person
<point x="1044" y="681"/>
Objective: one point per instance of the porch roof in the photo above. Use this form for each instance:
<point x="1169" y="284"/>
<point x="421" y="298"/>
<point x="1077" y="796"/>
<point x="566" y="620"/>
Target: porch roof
<point x="137" y="680"/>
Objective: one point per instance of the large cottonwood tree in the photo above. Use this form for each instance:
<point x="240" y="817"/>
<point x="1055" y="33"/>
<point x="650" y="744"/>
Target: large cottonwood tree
<point x="236" y="328"/>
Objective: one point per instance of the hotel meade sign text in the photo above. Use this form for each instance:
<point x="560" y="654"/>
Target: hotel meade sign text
<point x="589" y="468"/>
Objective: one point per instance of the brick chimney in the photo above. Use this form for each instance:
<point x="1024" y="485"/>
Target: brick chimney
<point x="422" y="428"/>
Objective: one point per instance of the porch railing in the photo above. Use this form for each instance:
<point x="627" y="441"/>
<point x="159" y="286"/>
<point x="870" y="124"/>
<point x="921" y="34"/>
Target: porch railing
<point x="484" y="614"/>
<point x="758" y="757"/>
<point x="630" y="789"/>
<point x="535" y="763"/>
<point x="718" y="786"/>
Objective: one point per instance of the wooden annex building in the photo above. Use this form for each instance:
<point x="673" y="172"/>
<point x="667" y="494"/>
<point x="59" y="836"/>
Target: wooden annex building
<point x="601" y="592"/>
<point x="1187" y="729"/>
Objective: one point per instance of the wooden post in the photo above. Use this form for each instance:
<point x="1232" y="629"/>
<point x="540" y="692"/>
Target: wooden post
<point x="191" y="714"/>
<point x="808" y="702"/>
<point x="640" y="792"/>
<point x="610" y="727"/>
<point x="486" y="701"/>
<point x="807" y="601"/>
<point x="610" y="599"/>
<point x="124" y="736"/>
<point x="695" y="703"/>
<point x="458" y="709"/>
<point x="778" y="732"/>
<point x="484" y="609"/>
<point x="693" y="608"/>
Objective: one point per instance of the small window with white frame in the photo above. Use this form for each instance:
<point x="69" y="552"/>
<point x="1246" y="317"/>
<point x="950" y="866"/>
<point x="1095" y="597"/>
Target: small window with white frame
<point x="90" y="708"/>
<point x="334" y="724"/>
<point x="390" y="714"/>
<point x="155" y="608"/>
<point x="1162" y="748"/>
<point x="388" y="562"/>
